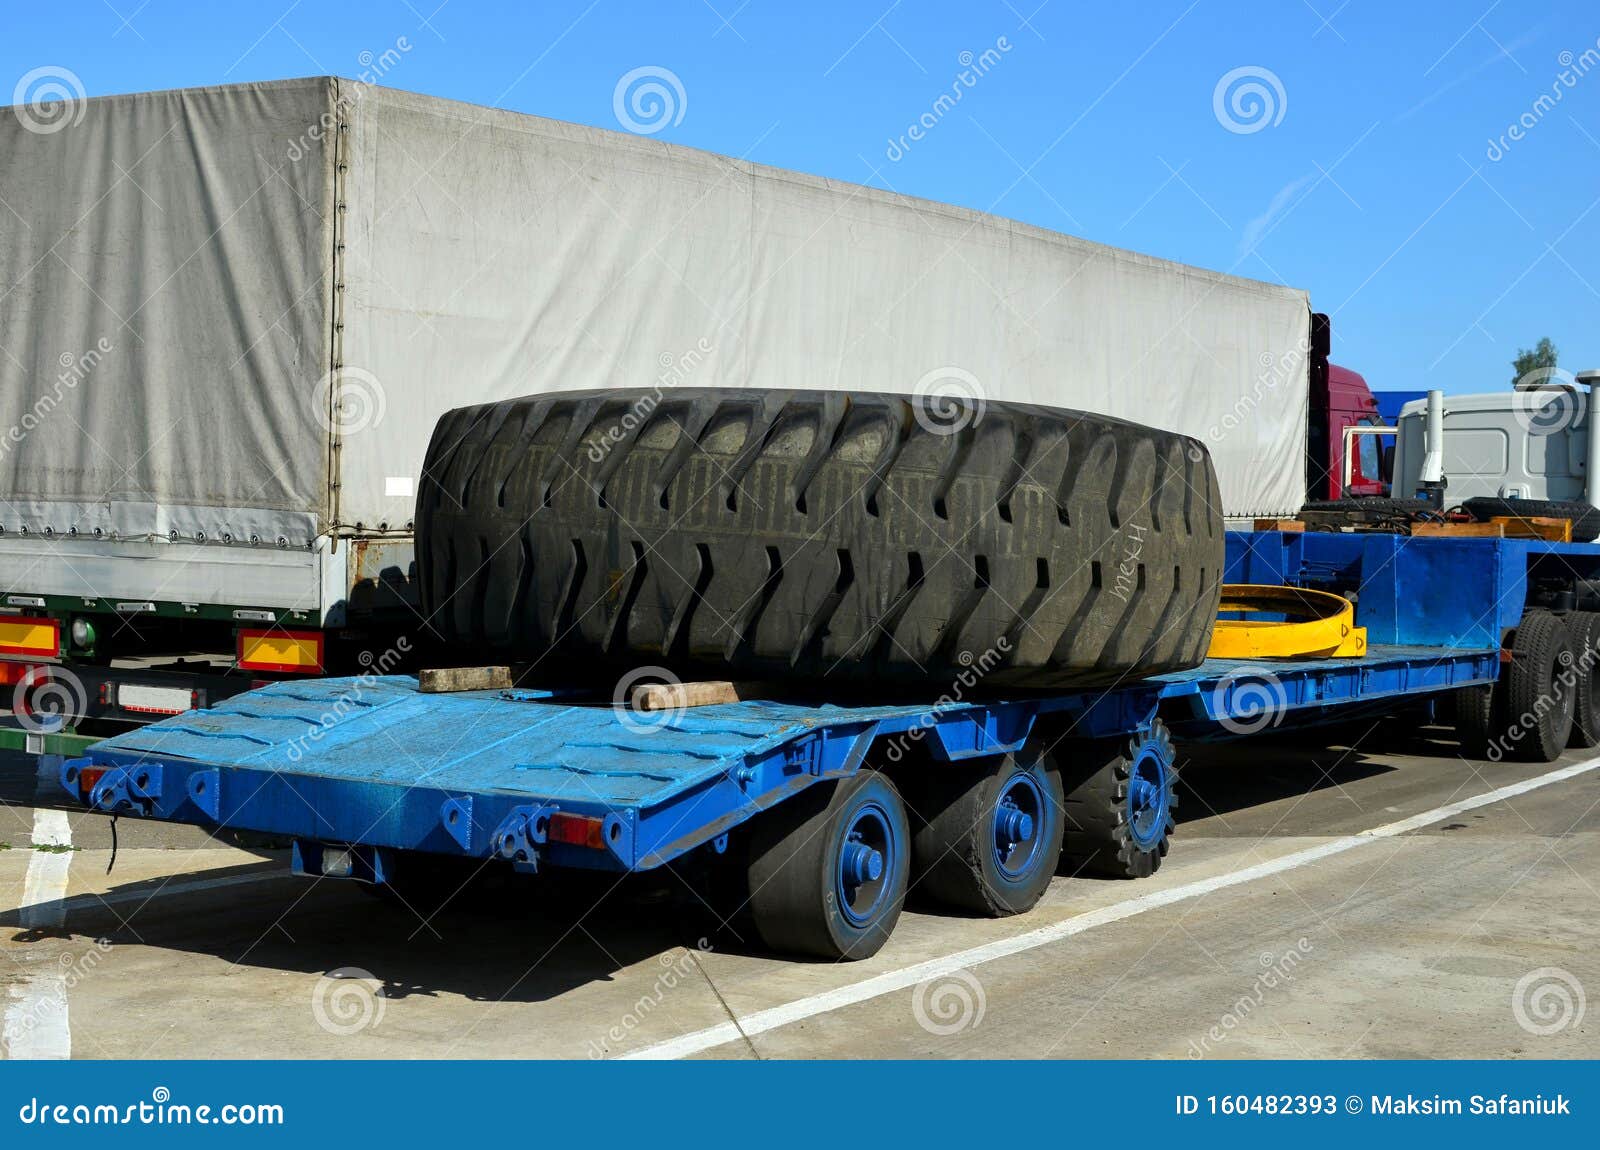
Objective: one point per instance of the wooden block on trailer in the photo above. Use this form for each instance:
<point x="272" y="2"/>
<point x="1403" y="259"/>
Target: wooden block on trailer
<point x="703" y="693"/>
<point x="1492" y="530"/>
<point x="1535" y="527"/>
<point x="1279" y="525"/>
<point x="443" y="680"/>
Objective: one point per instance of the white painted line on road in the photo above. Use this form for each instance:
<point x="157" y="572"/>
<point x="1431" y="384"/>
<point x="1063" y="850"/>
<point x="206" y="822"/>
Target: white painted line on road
<point x="910" y="976"/>
<point x="36" y="1023"/>
<point x="45" y="887"/>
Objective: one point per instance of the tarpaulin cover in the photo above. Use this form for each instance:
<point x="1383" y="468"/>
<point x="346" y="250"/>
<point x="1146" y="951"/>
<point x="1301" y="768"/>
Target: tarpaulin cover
<point x="165" y="261"/>
<point x="493" y="254"/>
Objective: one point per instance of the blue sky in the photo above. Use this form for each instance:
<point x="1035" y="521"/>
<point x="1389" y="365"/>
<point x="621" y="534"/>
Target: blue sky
<point x="1365" y="163"/>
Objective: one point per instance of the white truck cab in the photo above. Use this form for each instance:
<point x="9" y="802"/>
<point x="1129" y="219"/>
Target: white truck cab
<point x="1522" y="443"/>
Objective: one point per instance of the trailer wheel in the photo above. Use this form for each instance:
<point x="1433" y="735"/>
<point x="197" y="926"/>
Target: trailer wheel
<point x="1584" y="627"/>
<point x="1119" y="803"/>
<point x="992" y="836"/>
<point x="1475" y="713"/>
<point x="828" y="868"/>
<point x="1539" y="693"/>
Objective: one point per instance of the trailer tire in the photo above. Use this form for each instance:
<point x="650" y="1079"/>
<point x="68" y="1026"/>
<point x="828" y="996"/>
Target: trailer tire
<point x="1476" y="709"/>
<point x="1120" y="795"/>
<point x="1584" y="628"/>
<point x="815" y="887"/>
<point x="987" y="835"/>
<point x="768" y="535"/>
<point x="1584" y="518"/>
<point x="1539" y="704"/>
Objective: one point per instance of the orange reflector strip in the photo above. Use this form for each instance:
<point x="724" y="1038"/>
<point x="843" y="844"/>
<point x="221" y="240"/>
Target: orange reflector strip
<point x="29" y="636"/>
<point x="576" y="830"/>
<point x="291" y="651"/>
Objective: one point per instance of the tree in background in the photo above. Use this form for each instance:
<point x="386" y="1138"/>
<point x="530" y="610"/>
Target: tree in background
<point x="1540" y="360"/>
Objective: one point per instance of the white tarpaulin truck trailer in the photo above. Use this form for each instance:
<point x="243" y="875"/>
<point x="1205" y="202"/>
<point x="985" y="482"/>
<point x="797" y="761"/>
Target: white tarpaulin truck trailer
<point x="231" y="316"/>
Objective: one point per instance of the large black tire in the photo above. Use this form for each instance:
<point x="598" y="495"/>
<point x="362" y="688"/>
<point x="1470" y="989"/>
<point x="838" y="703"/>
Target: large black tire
<point x="1477" y="709"/>
<point x="801" y="534"/>
<point x="1584" y="629"/>
<point x="795" y="892"/>
<point x="1101" y="837"/>
<point x="1539" y="697"/>
<point x="959" y="816"/>
<point x="1585" y="519"/>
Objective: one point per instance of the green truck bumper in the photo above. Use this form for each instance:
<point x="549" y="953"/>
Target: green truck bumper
<point x="36" y="743"/>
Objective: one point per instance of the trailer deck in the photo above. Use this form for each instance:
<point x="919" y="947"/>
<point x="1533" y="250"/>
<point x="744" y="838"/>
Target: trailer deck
<point x="375" y="762"/>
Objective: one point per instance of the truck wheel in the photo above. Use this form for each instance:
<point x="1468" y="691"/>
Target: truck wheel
<point x="991" y="838"/>
<point x="1119" y="804"/>
<point x="771" y="535"/>
<point x="1539" y="695"/>
<point x="828" y="868"/>
<point x="1585" y="519"/>
<point x="1476" y="711"/>
<point x="1584" y="628"/>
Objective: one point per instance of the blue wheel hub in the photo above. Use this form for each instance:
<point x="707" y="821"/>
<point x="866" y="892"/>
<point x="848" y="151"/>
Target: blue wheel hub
<point x="1149" y="798"/>
<point x="867" y="858"/>
<point x="1019" y="815"/>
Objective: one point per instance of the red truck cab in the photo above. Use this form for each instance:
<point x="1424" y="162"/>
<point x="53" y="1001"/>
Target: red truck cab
<point x="1340" y="398"/>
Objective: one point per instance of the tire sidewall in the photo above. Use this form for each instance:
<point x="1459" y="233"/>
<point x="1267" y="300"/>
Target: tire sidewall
<point x="866" y="789"/>
<point x="1020" y="892"/>
<point x="1583" y="629"/>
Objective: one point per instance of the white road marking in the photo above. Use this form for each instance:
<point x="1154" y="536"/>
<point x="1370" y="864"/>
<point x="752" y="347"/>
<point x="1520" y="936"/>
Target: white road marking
<point x="910" y="976"/>
<point x="45" y="887"/>
<point x="36" y="1024"/>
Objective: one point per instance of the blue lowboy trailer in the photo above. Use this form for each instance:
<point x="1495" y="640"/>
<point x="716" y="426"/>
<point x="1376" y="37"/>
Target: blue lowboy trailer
<point x="826" y="809"/>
